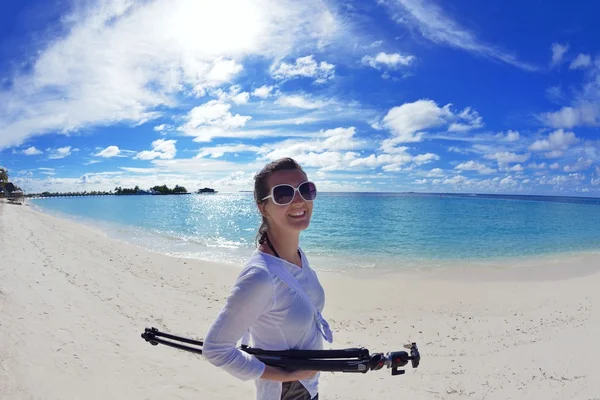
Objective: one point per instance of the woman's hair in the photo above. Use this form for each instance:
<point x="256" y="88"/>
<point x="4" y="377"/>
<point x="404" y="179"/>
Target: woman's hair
<point x="261" y="186"/>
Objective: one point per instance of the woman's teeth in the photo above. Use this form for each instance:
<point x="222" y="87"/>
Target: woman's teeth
<point x="297" y="214"/>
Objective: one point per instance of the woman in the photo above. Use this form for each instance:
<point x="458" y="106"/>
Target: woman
<point x="276" y="316"/>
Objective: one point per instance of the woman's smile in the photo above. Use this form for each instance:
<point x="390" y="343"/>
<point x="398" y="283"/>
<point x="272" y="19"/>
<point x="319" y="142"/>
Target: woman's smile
<point x="297" y="214"/>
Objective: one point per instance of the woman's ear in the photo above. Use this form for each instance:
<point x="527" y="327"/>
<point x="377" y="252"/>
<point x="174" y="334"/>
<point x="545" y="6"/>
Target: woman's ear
<point x="263" y="209"/>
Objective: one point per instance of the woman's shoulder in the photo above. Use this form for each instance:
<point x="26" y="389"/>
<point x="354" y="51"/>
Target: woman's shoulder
<point x="256" y="278"/>
<point x="256" y="268"/>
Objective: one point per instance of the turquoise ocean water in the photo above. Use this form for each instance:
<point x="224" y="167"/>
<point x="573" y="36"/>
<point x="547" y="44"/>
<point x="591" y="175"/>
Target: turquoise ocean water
<point x="351" y="230"/>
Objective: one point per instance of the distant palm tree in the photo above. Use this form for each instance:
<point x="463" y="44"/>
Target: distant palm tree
<point x="3" y="175"/>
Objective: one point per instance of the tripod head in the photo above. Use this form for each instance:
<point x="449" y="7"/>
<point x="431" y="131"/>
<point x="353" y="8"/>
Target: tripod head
<point x="396" y="359"/>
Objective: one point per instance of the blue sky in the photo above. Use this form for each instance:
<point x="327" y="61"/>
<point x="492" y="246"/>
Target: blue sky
<point x="389" y="95"/>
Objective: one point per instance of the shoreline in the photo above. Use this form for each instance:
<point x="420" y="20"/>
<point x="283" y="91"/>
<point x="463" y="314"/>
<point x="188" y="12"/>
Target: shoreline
<point x="110" y="229"/>
<point x="74" y="303"/>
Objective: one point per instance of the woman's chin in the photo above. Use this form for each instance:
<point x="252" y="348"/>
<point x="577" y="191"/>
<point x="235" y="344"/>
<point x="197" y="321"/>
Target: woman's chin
<point x="299" y="225"/>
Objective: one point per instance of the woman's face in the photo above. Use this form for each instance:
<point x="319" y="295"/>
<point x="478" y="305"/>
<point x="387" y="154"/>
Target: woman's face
<point x="294" y="216"/>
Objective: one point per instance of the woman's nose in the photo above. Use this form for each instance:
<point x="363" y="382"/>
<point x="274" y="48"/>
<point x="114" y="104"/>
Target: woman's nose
<point x="297" y="198"/>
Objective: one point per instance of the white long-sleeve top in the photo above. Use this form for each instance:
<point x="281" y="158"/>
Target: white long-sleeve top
<point x="278" y="319"/>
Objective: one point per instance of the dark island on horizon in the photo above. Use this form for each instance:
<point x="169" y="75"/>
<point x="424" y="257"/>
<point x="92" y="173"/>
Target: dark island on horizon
<point x="161" y="190"/>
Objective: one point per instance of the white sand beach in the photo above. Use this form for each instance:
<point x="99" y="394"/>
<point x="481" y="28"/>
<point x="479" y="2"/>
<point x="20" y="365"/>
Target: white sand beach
<point x="73" y="304"/>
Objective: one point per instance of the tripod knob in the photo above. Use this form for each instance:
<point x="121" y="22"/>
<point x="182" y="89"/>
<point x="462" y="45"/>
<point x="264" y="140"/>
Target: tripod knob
<point x="376" y="362"/>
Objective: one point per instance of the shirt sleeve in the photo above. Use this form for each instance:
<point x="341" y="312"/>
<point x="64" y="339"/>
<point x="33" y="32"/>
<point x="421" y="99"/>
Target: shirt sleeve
<point x="251" y="295"/>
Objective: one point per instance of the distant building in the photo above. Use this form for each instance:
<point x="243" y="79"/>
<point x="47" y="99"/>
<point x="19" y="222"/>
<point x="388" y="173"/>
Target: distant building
<point x="206" y="190"/>
<point x="9" y="190"/>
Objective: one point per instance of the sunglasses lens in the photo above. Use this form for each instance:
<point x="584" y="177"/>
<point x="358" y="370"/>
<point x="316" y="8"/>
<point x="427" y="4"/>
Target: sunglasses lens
<point x="283" y="194"/>
<point x="308" y="190"/>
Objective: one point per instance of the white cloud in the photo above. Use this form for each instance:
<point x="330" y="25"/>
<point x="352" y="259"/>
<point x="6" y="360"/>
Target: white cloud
<point x="555" y="94"/>
<point x="558" y="51"/>
<point x="510" y="136"/>
<point x="374" y="45"/>
<point x="211" y="119"/>
<point x="584" y="109"/>
<point x="161" y="127"/>
<point x="555" y="144"/>
<point x="287" y="121"/>
<point x="263" y="92"/>
<point x="110" y="151"/>
<point x="555" y="166"/>
<point x="220" y="151"/>
<point x="469" y="118"/>
<point x="455" y="180"/>
<point x="305" y="67"/>
<point x="438" y="27"/>
<point x="585" y="113"/>
<point x="562" y="180"/>
<point x="61" y="152"/>
<point x="214" y="113"/>
<point x="329" y="160"/>
<point x="161" y="148"/>
<point x="577" y="176"/>
<point x="534" y="165"/>
<point x="596" y="181"/>
<point x="517" y="168"/>
<point x="475" y="166"/>
<point x="330" y="140"/>
<point x="299" y="101"/>
<point x="335" y="149"/>
<point x="47" y="171"/>
<point x="235" y="95"/>
<point x="506" y="157"/>
<point x="408" y="121"/>
<point x="425" y="158"/>
<point x="221" y="71"/>
<point x="459" y="150"/>
<point x="390" y="61"/>
<point x="435" y="172"/>
<point x="580" y="165"/>
<point x="581" y="61"/>
<point x="393" y="162"/>
<point x="508" y="181"/>
<point x="31" y="151"/>
<point x="124" y="61"/>
<point x="554" y="154"/>
<point x="297" y="108"/>
<point x="241" y="98"/>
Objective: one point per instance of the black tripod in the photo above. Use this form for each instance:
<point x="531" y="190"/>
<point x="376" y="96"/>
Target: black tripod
<point x="346" y="360"/>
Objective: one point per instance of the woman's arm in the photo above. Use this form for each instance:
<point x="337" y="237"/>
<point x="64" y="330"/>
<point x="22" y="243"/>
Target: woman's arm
<point x="251" y="295"/>
<point x="249" y="298"/>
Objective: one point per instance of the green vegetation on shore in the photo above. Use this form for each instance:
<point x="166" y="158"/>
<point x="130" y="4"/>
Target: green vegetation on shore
<point x="164" y="189"/>
<point x="120" y="191"/>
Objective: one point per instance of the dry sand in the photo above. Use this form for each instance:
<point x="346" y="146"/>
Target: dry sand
<point x="73" y="304"/>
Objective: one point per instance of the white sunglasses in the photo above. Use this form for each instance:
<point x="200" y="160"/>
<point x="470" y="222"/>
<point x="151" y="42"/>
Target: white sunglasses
<point x="284" y="194"/>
